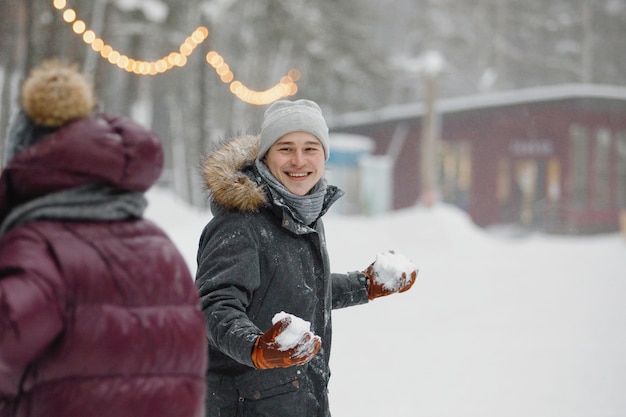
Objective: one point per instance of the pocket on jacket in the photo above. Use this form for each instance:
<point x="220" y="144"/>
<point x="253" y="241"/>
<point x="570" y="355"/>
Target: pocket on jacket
<point x="277" y="393"/>
<point x="261" y="385"/>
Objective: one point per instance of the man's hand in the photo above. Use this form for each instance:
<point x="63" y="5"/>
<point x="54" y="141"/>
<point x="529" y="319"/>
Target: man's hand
<point x="394" y="281"/>
<point x="268" y="353"/>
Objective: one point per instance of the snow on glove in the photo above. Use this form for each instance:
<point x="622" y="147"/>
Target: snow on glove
<point x="390" y="273"/>
<point x="287" y="343"/>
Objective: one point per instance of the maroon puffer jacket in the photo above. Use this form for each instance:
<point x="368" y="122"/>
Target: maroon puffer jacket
<point x="96" y="318"/>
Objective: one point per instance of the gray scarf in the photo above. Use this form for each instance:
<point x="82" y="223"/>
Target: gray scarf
<point x="90" y="202"/>
<point x="305" y="208"/>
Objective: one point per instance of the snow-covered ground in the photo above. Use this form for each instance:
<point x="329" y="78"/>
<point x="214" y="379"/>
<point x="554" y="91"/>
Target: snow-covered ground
<point x="495" y="326"/>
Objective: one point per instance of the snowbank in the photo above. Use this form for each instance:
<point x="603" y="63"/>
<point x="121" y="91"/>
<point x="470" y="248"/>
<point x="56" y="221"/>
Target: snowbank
<point x="493" y="327"/>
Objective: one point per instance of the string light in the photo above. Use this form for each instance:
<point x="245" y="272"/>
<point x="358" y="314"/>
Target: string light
<point x="286" y="87"/>
<point x="174" y="59"/>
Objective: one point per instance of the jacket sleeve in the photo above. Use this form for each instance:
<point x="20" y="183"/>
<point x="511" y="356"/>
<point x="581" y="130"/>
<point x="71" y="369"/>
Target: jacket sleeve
<point x="31" y="306"/>
<point x="349" y="289"/>
<point x="227" y="276"/>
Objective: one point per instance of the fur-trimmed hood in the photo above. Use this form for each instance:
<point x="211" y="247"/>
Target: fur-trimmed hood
<point x="225" y="178"/>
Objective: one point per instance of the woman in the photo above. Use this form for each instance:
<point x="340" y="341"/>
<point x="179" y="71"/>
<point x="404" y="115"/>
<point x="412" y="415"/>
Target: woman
<point x="98" y="312"/>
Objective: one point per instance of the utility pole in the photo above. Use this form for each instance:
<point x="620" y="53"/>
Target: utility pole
<point x="432" y="64"/>
<point x="428" y="146"/>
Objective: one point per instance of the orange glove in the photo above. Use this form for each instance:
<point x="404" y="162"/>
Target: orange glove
<point x="377" y="289"/>
<point x="268" y="354"/>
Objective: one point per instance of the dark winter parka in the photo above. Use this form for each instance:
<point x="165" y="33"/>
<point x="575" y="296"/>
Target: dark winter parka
<point x="97" y="318"/>
<point x="255" y="260"/>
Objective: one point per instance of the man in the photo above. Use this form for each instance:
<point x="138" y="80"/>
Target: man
<point x="98" y="312"/>
<point x="263" y="253"/>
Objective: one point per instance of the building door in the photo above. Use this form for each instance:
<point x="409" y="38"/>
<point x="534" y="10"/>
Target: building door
<point x="533" y="192"/>
<point x="528" y="191"/>
<point x="528" y="186"/>
<point x="505" y="193"/>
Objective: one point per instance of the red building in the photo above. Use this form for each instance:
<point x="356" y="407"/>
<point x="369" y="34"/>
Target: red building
<point x="552" y="158"/>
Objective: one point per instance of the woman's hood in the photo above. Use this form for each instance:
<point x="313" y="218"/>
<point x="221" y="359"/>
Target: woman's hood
<point x="100" y="149"/>
<point x="224" y="176"/>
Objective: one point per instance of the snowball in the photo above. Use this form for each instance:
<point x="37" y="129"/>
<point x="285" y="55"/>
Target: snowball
<point x="292" y="335"/>
<point x="389" y="267"/>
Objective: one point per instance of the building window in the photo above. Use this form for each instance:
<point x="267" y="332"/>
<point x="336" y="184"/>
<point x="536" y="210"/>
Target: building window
<point x="602" y="169"/>
<point x="579" y="186"/>
<point x="456" y="173"/>
<point x="504" y="192"/>
<point x="621" y="169"/>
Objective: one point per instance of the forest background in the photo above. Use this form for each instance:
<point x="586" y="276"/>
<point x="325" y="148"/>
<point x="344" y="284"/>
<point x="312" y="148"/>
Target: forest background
<point x="349" y="55"/>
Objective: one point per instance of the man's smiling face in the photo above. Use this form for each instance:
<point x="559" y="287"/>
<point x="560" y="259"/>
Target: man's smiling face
<point x="297" y="160"/>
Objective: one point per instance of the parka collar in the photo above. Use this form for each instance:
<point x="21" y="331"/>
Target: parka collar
<point x="224" y="176"/>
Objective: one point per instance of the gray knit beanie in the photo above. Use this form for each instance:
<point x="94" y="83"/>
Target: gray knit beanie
<point x="286" y="116"/>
